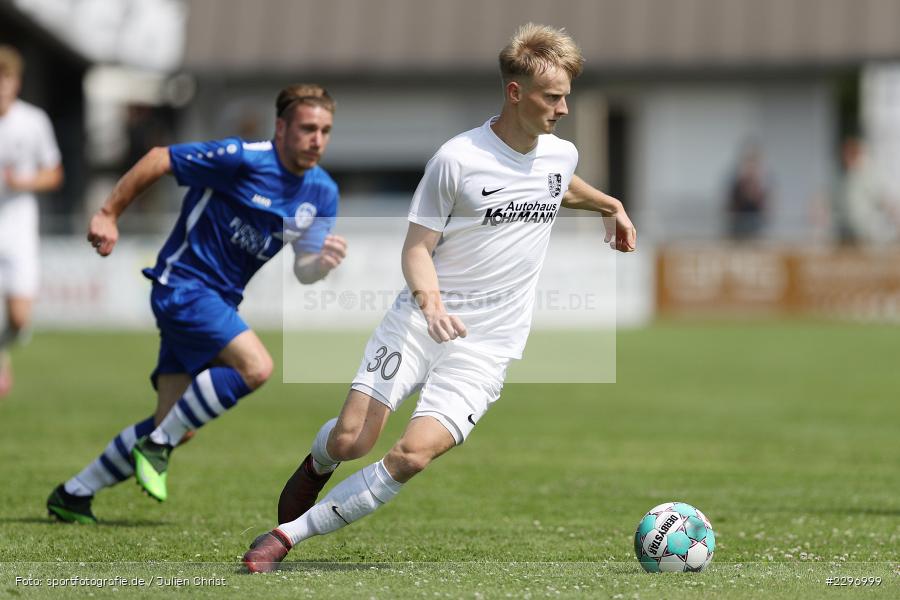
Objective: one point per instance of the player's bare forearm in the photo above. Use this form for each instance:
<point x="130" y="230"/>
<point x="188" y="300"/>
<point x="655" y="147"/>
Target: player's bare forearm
<point x="306" y="269"/>
<point x="45" y="180"/>
<point x="103" y="231"/>
<point x="145" y="172"/>
<point x="422" y="279"/>
<point x="418" y="267"/>
<point x="621" y="234"/>
<point x="314" y="266"/>
<point x="583" y="196"/>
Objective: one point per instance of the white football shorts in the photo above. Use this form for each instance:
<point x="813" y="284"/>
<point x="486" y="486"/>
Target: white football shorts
<point x="458" y="384"/>
<point x="19" y="268"/>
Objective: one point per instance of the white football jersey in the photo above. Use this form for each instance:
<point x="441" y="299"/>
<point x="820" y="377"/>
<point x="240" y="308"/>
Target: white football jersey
<point x="27" y="144"/>
<point x="495" y="208"/>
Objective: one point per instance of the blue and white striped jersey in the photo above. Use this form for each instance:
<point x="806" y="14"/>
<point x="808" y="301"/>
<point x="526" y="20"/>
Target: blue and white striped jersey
<point x="242" y="207"/>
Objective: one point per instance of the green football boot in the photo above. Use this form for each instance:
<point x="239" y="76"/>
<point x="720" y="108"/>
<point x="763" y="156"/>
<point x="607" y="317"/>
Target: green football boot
<point x="151" y="460"/>
<point x="69" y="508"/>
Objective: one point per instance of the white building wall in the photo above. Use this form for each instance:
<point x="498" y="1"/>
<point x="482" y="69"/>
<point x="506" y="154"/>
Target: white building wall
<point x="687" y="142"/>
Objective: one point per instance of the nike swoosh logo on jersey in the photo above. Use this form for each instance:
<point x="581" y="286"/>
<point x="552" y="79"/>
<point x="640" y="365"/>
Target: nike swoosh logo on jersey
<point x="471" y="420"/>
<point x="484" y="191"/>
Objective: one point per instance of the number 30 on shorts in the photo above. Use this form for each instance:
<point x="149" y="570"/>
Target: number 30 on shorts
<point x="389" y="364"/>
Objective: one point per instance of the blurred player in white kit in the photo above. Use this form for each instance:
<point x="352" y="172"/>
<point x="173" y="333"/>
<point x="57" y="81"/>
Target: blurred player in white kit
<point x="479" y="226"/>
<point x="29" y="164"/>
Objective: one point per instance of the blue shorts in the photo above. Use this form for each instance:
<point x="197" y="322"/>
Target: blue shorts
<point x="195" y="324"/>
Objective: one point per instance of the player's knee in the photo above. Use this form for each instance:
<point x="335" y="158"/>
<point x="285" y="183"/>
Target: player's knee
<point x="407" y="461"/>
<point x="258" y="372"/>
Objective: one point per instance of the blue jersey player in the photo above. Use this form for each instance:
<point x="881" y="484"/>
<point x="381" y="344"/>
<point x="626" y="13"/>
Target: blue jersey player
<point x="245" y="201"/>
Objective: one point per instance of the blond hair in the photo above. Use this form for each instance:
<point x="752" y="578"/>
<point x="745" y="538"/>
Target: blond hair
<point x="10" y="61"/>
<point x="536" y="48"/>
<point x="302" y="93"/>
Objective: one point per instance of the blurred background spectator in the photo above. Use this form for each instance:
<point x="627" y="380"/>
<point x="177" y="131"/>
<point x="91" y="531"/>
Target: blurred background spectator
<point x="864" y="211"/>
<point x="748" y="195"/>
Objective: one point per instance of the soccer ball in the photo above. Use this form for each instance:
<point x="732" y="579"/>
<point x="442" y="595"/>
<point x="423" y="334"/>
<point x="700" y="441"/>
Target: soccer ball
<point x="674" y="537"/>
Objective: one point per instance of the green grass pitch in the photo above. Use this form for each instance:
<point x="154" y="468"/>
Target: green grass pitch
<point x="784" y="434"/>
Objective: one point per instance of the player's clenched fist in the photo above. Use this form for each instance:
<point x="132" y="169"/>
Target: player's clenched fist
<point x="103" y="233"/>
<point x="334" y="250"/>
<point x="443" y="327"/>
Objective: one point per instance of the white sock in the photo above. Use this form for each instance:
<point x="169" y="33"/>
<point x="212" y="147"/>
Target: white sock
<point x="76" y="487"/>
<point x="322" y="461"/>
<point x="350" y="500"/>
<point x="171" y="430"/>
<point x="113" y="465"/>
<point x="210" y="394"/>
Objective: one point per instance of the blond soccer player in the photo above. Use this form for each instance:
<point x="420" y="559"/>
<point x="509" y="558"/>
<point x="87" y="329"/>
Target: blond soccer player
<point x="489" y="196"/>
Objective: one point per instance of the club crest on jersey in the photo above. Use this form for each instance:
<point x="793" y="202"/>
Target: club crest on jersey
<point x="304" y="215"/>
<point x="554" y="182"/>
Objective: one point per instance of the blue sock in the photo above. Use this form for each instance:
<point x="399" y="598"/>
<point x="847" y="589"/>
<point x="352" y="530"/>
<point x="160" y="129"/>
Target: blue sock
<point x="210" y="394"/>
<point x="113" y="466"/>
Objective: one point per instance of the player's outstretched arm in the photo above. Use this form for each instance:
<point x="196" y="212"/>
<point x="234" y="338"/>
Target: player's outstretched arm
<point x="103" y="230"/>
<point x="310" y="267"/>
<point x="422" y="279"/>
<point x="583" y="196"/>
